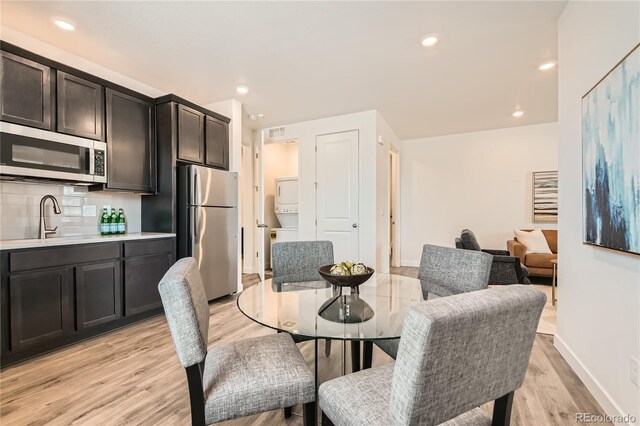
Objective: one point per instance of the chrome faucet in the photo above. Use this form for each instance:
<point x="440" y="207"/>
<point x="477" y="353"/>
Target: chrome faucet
<point x="43" y="232"/>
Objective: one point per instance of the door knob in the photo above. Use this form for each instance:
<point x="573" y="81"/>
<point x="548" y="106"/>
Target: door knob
<point x="355" y="225"/>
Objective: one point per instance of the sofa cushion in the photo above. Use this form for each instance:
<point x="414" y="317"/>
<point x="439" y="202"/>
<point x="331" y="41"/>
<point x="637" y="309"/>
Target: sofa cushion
<point x="535" y="241"/>
<point x="540" y="260"/>
<point x="469" y="240"/>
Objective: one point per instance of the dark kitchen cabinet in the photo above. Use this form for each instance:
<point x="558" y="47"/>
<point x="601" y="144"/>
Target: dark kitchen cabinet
<point x="40" y="306"/>
<point x="145" y="263"/>
<point x="98" y="294"/>
<point x="190" y="134"/>
<point x="80" y="107"/>
<point x="130" y="143"/>
<point x="26" y="92"/>
<point x="217" y="143"/>
<point x="52" y="297"/>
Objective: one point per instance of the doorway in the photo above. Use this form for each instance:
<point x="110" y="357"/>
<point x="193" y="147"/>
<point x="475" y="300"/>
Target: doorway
<point x="394" y="207"/>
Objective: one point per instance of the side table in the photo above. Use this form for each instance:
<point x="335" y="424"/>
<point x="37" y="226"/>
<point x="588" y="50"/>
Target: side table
<point x="554" y="282"/>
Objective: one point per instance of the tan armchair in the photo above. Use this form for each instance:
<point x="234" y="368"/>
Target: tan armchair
<point x="537" y="263"/>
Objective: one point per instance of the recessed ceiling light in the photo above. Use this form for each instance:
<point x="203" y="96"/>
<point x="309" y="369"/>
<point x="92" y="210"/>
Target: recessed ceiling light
<point x="429" y="40"/>
<point x="242" y="90"/>
<point x="546" y="66"/>
<point x="518" y="114"/>
<point x="67" y="26"/>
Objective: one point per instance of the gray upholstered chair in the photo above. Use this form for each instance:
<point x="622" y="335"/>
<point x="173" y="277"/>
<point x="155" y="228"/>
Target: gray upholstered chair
<point x="456" y="353"/>
<point x="445" y="271"/>
<point x="298" y="262"/>
<point x="269" y="374"/>
<point x="505" y="269"/>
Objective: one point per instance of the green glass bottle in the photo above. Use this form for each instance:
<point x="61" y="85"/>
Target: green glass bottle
<point x="104" y="222"/>
<point x="122" y="222"/>
<point x="113" y="223"/>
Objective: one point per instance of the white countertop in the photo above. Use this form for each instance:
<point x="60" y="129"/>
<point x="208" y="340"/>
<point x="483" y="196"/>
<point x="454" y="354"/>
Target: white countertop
<point x="87" y="239"/>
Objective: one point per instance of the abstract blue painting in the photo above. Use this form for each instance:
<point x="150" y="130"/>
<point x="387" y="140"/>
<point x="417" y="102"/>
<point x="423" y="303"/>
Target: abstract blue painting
<point x="611" y="158"/>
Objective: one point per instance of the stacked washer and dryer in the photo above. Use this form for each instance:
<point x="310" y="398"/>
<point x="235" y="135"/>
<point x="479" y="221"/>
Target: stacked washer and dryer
<point x="286" y="209"/>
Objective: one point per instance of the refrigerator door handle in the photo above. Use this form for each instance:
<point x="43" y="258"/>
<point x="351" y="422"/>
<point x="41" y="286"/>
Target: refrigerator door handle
<point x="196" y="220"/>
<point x="198" y="188"/>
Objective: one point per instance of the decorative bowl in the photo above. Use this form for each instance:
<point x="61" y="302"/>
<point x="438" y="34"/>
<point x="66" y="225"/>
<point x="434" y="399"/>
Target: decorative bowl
<point x="344" y="280"/>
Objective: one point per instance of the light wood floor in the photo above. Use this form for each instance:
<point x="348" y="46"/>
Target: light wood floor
<point x="132" y="376"/>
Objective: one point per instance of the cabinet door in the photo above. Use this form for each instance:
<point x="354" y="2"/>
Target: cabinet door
<point x="26" y="92"/>
<point x="130" y="143"/>
<point x="141" y="278"/>
<point x="98" y="294"/>
<point x="217" y="143"/>
<point x="190" y="134"/>
<point x="40" y="307"/>
<point x="80" y="111"/>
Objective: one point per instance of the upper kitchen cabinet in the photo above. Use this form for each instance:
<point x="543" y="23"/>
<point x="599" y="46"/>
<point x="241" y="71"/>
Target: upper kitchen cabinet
<point x="26" y="92"/>
<point x="130" y="143"/>
<point x="217" y="143"/>
<point x="190" y="134"/>
<point x="80" y="107"/>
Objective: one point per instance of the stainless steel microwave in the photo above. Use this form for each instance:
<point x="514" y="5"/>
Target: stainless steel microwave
<point x="26" y="152"/>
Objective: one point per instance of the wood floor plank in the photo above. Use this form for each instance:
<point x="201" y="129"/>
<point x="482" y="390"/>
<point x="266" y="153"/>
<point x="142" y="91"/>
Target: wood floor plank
<point x="132" y="377"/>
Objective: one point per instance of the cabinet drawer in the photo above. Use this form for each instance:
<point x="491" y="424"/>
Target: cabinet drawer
<point x="60" y="256"/>
<point x="145" y="248"/>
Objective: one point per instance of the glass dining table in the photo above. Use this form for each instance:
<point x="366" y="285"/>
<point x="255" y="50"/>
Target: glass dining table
<point x="316" y="310"/>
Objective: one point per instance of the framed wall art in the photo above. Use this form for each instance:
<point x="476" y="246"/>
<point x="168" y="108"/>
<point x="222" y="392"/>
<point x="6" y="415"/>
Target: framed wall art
<point x="545" y="197"/>
<point x="611" y="158"/>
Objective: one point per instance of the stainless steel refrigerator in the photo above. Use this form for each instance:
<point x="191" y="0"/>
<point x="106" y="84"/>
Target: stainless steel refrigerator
<point x="207" y="217"/>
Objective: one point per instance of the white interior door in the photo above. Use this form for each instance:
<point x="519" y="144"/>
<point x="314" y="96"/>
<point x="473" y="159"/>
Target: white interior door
<point x="337" y="193"/>
<point x="258" y="203"/>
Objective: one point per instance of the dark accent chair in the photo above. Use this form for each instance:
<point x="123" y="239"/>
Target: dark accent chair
<point x="298" y="262"/>
<point x="506" y="269"/>
<point x="271" y="373"/>
<point x="456" y="353"/>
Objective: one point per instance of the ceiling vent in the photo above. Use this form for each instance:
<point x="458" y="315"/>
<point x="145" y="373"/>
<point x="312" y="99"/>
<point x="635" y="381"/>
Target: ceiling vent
<point x="277" y="132"/>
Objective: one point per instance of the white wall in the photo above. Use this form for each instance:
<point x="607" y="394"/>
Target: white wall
<point x="305" y="133"/>
<point x="599" y="290"/>
<point x="280" y="160"/>
<point x="479" y="180"/>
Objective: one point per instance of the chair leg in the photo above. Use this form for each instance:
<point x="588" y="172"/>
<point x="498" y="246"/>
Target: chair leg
<point x="367" y="354"/>
<point x="327" y="348"/>
<point x="326" y="421"/>
<point x="196" y="395"/>
<point x="502" y="410"/>
<point x="287" y="412"/>
<point x="309" y="413"/>
<point x="355" y="356"/>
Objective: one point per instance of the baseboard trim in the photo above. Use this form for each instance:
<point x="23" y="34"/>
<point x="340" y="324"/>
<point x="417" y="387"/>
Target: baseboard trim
<point x="413" y="263"/>
<point x="599" y="393"/>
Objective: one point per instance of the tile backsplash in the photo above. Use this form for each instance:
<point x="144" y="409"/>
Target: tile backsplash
<point x="20" y="209"/>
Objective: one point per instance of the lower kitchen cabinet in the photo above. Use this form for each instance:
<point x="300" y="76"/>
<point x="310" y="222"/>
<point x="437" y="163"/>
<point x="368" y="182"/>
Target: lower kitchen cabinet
<point x="40" y="305"/>
<point x="98" y="294"/>
<point x="51" y="297"/>
<point x="142" y="275"/>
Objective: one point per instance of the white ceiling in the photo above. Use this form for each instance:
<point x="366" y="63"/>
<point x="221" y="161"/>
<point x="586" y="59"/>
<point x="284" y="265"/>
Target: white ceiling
<point x="307" y="60"/>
